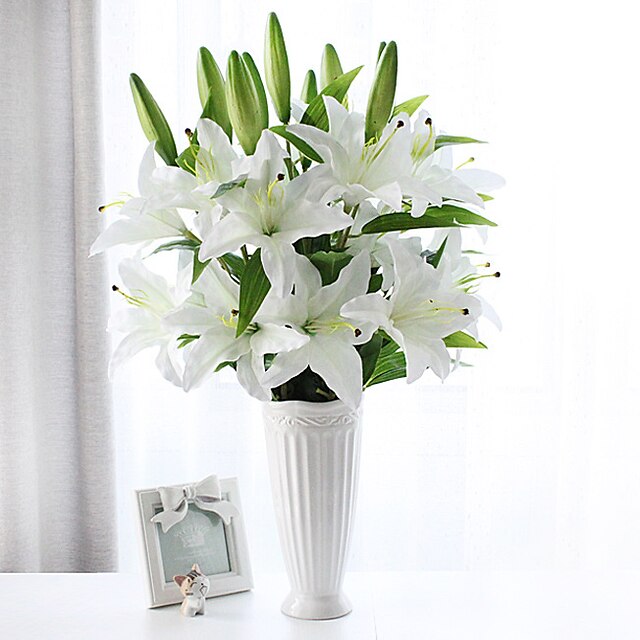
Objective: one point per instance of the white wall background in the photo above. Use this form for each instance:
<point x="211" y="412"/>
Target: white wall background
<point x="530" y="459"/>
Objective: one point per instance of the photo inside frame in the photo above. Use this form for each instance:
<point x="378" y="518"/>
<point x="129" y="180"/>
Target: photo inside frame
<point x="199" y="538"/>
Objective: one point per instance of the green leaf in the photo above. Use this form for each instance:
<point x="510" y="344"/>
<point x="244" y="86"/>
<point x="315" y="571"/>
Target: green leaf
<point x="222" y="365"/>
<point x="329" y="264"/>
<point x="434" y="259"/>
<point x="243" y="102"/>
<point x="459" y="215"/>
<point x="409" y="106"/>
<point x="276" y="65"/>
<point x="435" y="217"/>
<point x="154" y="124"/>
<point x="316" y="113"/>
<point x="183" y="243"/>
<point x="388" y="368"/>
<point x="254" y="286"/>
<point x="369" y="352"/>
<point x="330" y="67"/>
<point x="383" y="91"/>
<point x="485" y="197"/>
<point x="389" y="347"/>
<point x="461" y="340"/>
<point x="211" y="91"/>
<point x="198" y="267"/>
<point x="234" y="263"/>
<point x="300" y="144"/>
<point x="375" y="283"/>
<point x="262" y="96"/>
<point x="187" y="159"/>
<point x="444" y="141"/>
<point x="309" y="87"/>
<point x="185" y="339"/>
<point x="227" y="186"/>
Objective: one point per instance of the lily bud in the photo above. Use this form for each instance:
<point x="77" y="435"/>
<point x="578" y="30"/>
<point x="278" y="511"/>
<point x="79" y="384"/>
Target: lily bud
<point x="383" y="44"/>
<point x="276" y="67"/>
<point x="309" y="87"/>
<point x="257" y="83"/>
<point x="243" y="103"/>
<point x="211" y="91"/>
<point x="154" y="124"/>
<point x="330" y="67"/>
<point x="383" y="92"/>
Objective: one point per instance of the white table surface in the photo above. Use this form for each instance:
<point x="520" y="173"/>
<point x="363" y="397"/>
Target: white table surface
<point x="387" y="606"/>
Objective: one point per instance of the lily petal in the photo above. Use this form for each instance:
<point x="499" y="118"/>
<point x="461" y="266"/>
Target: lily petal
<point x="285" y="366"/>
<point x="248" y="379"/>
<point x="234" y="230"/>
<point x="339" y="365"/>
<point x="214" y="347"/>
<point x="352" y="281"/>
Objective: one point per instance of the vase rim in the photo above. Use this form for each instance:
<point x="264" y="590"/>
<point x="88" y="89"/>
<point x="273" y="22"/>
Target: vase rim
<point x="303" y="406"/>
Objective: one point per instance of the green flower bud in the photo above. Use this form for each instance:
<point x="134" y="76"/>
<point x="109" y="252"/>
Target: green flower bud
<point x="383" y="44"/>
<point x="211" y="90"/>
<point x="330" y="67"/>
<point x="382" y="93"/>
<point x="257" y="83"/>
<point x="276" y="66"/>
<point x="309" y="87"/>
<point x="243" y="103"/>
<point x="154" y="124"/>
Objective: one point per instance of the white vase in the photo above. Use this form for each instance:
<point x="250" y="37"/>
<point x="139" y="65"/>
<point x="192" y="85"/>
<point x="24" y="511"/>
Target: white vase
<point x="314" y="453"/>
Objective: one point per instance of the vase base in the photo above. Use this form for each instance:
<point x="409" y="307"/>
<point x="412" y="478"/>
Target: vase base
<point x="307" y="607"/>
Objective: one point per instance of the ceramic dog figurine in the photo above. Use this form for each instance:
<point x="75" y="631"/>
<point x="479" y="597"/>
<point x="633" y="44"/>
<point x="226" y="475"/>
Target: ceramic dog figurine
<point x="194" y="587"/>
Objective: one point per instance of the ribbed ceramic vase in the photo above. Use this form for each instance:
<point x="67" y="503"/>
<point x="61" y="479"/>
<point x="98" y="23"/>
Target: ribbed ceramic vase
<point x="314" y="454"/>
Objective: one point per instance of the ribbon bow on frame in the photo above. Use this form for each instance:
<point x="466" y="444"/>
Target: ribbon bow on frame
<point x="206" y="495"/>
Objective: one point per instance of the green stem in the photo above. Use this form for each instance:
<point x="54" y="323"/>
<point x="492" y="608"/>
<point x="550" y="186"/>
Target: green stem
<point x="342" y="241"/>
<point x="223" y="264"/>
<point x="245" y="253"/>
<point x="288" y="163"/>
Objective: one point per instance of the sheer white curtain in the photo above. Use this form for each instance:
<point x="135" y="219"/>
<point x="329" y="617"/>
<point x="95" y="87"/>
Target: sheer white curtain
<point x="56" y="448"/>
<point x="529" y="459"/>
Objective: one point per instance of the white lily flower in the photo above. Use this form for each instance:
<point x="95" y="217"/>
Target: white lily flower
<point x="439" y="181"/>
<point x="419" y="313"/>
<point x="151" y="299"/>
<point x="211" y="313"/>
<point x="377" y="246"/>
<point x="216" y="162"/>
<point x="314" y="311"/>
<point x="352" y="170"/>
<point x="457" y="270"/>
<point x="163" y="189"/>
<point x="271" y="214"/>
<point x="434" y="170"/>
<point x="141" y="224"/>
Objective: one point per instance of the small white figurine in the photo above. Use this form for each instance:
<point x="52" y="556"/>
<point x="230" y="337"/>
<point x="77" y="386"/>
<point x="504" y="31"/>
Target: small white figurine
<point x="194" y="587"/>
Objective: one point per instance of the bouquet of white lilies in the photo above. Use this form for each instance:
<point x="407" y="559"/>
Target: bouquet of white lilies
<point x="293" y="264"/>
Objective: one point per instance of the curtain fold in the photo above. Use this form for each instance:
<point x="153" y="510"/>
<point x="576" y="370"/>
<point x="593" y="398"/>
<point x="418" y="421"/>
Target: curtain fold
<point x="57" y="508"/>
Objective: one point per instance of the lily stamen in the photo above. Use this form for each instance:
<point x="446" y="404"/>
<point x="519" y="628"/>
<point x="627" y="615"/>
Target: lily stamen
<point x="329" y="326"/>
<point x="135" y="301"/>
<point x="103" y="207"/>
<point x="478" y="276"/>
<point x="230" y="322"/>
<point x="467" y="161"/>
<point x="418" y="152"/>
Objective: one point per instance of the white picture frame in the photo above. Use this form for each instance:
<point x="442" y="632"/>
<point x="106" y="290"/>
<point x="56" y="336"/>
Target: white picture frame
<point x="201" y="537"/>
